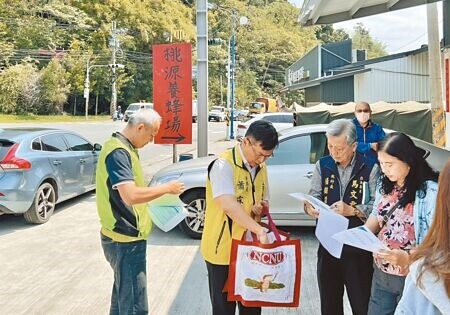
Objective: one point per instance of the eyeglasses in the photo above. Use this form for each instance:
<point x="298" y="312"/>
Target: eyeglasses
<point x="363" y="110"/>
<point x="259" y="154"/>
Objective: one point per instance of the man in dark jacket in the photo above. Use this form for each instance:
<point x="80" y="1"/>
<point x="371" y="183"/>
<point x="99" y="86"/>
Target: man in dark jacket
<point x="346" y="181"/>
<point x="368" y="133"/>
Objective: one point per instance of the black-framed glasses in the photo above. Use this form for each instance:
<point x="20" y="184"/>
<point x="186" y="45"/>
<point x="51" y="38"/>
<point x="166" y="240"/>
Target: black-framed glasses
<point x="259" y="154"/>
<point x="366" y="110"/>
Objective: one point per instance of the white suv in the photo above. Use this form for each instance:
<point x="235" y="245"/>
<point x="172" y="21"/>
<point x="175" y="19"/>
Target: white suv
<point x="217" y="113"/>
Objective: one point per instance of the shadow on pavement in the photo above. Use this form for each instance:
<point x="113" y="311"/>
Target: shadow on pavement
<point x="10" y="223"/>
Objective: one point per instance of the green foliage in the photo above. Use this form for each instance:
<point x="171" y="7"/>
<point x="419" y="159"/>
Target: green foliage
<point x="19" y="91"/>
<point x="362" y="40"/>
<point x="327" y="34"/>
<point x="270" y="42"/>
<point x="46" y="46"/>
<point x="54" y="88"/>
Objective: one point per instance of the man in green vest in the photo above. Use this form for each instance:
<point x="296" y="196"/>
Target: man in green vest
<point x="236" y="191"/>
<point x="122" y="197"/>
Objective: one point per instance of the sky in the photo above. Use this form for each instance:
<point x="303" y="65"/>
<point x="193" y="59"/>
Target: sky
<point x="400" y="30"/>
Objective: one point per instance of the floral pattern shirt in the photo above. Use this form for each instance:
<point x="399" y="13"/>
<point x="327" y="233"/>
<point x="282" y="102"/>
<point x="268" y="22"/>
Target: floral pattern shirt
<point x="398" y="232"/>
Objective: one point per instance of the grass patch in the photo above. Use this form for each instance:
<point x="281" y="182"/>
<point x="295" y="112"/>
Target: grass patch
<point x="52" y="118"/>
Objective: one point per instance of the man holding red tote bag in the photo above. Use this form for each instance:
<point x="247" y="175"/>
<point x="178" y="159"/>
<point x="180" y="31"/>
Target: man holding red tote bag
<point x="235" y="191"/>
<point x="265" y="274"/>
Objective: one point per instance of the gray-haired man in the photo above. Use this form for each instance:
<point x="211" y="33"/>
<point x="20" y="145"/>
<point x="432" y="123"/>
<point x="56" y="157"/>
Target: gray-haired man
<point x="341" y="180"/>
<point x="122" y="197"/>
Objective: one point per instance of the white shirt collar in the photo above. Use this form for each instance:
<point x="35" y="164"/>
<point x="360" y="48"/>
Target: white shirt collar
<point x="247" y="165"/>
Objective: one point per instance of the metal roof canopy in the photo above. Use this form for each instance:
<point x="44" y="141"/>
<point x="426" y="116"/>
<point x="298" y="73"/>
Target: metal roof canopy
<point x="333" y="11"/>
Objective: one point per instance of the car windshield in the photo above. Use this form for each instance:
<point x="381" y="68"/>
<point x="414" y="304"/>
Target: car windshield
<point x="218" y="108"/>
<point x="256" y="105"/>
<point x="133" y="107"/>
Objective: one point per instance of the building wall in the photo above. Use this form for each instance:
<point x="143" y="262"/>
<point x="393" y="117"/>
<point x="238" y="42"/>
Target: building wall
<point x="398" y="80"/>
<point x="338" y="91"/>
<point x="312" y="95"/>
<point x="330" y="60"/>
<point x="308" y="63"/>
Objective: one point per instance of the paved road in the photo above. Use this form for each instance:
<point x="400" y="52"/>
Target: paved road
<point x="58" y="267"/>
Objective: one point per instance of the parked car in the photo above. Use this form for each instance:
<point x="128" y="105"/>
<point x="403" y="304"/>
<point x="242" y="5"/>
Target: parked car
<point x="241" y="114"/>
<point x="279" y="120"/>
<point x="217" y="113"/>
<point x="134" y="107"/>
<point x="42" y="167"/>
<point x="289" y="170"/>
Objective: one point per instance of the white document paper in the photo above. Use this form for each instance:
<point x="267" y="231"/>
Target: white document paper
<point x="360" y="237"/>
<point x="328" y="224"/>
<point x="167" y="211"/>
<point x="316" y="203"/>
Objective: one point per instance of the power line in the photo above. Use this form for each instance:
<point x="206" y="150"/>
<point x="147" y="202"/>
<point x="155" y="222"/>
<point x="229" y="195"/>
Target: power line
<point x="414" y="40"/>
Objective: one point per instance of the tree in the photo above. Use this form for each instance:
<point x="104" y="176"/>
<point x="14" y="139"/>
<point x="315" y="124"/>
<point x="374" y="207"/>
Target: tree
<point x="19" y="92"/>
<point x="61" y="35"/>
<point x="362" y="40"/>
<point x="327" y="34"/>
<point x="54" y="88"/>
<point x="266" y="46"/>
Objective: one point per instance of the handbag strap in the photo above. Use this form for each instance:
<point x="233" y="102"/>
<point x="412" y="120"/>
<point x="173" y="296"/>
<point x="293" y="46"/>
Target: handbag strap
<point x="272" y="226"/>
<point x="389" y="213"/>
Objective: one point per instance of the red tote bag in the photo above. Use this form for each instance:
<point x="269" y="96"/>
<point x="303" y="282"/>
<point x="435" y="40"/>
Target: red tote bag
<point x="265" y="274"/>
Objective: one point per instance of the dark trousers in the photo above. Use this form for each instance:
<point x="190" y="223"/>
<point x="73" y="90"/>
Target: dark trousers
<point x="217" y="276"/>
<point x="386" y="292"/>
<point x="129" y="263"/>
<point x="354" y="271"/>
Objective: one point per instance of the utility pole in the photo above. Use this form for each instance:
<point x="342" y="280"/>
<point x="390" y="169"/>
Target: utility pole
<point x="113" y="45"/>
<point x="227" y="134"/>
<point x="221" y="91"/>
<point x="86" y="82"/>
<point x="233" y="75"/>
<point x="86" y="90"/>
<point x="436" y="97"/>
<point x="202" y="77"/>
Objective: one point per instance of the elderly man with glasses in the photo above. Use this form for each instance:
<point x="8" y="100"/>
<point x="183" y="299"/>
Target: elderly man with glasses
<point x="346" y="181"/>
<point x="368" y="133"/>
<point x="236" y="191"/>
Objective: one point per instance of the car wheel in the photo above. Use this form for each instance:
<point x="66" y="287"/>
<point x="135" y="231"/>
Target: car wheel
<point x="195" y="201"/>
<point x="43" y="205"/>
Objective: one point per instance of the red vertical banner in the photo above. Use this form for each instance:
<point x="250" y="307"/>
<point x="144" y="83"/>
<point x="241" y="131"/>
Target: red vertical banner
<point x="172" y="92"/>
<point x="447" y="88"/>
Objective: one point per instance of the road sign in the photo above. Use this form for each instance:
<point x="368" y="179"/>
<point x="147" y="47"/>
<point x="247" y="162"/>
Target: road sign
<point x="172" y="92"/>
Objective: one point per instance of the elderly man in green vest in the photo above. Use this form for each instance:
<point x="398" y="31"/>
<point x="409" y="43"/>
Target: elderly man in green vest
<point x="122" y="197"/>
<point x="236" y="191"/>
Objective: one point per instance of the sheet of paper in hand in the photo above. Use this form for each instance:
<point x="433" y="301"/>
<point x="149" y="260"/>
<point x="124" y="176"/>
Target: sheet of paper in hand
<point x="328" y="224"/>
<point x="316" y="203"/>
<point x="360" y="237"/>
<point x="167" y="211"/>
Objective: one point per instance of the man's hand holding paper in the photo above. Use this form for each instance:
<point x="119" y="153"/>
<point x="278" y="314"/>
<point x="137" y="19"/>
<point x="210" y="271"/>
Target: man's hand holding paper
<point x="310" y="210"/>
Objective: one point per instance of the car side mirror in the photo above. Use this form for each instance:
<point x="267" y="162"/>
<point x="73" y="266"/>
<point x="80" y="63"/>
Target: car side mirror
<point x="97" y="147"/>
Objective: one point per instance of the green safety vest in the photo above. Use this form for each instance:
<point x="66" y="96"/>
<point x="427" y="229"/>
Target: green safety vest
<point x="113" y="224"/>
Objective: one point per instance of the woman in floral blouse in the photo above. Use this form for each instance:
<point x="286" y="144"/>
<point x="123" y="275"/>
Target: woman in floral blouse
<point x="407" y="185"/>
